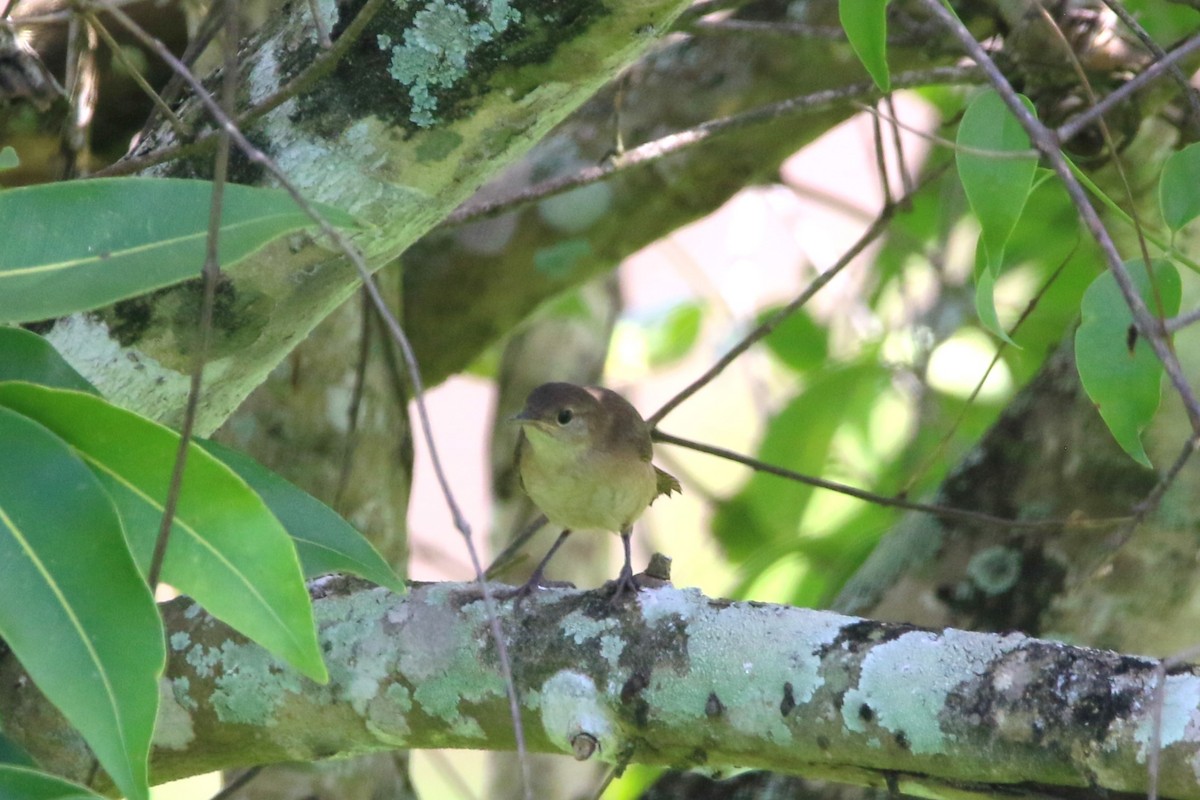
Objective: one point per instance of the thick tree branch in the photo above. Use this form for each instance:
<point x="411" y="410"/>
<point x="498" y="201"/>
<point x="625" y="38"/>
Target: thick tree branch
<point x="403" y="131"/>
<point x="673" y="678"/>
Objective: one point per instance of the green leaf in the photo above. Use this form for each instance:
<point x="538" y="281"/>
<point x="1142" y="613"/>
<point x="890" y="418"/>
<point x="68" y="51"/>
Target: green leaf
<point x="325" y="542"/>
<point x="798" y="341"/>
<point x="78" y="245"/>
<point x="985" y="296"/>
<point x="996" y="185"/>
<point x="865" y="23"/>
<point x="12" y="754"/>
<point x="22" y="783"/>
<point x="25" y="356"/>
<point x="74" y="609"/>
<point x="1179" y="187"/>
<point x="672" y="338"/>
<point x="9" y="158"/>
<point x="227" y="550"/>
<point x="1123" y="381"/>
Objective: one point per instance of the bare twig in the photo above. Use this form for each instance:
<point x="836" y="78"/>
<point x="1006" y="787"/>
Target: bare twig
<point x="344" y="245"/>
<point x="135" y="73"/>
<point x="236" y="785"/>
<point x="1047" y="143"/>
<point x="211" y="273"/>
<point x="1181" y="321"/>
<point x="1077" y="123"/>
<point x="673" y="143"/>
<point x="310" y="75"/>
<point x="944" y="442"/>
<point x="873" y="231"/>
<point x="319" y="22"/>
<point x="943" y="512"/>
<point x="1181" y="80"/>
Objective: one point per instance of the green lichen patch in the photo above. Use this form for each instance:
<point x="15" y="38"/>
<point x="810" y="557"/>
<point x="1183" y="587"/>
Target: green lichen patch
<point x="427" y="62"/>
<point x="432" y="56"/>
<point x="252" y="685"/>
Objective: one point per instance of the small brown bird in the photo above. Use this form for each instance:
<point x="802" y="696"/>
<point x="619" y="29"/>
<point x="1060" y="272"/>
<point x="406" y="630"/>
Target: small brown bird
<point x="584" y="459"/>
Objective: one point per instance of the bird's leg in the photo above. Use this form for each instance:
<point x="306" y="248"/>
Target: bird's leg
<point x="535" y="579"/>
<point x="625" y="584"/>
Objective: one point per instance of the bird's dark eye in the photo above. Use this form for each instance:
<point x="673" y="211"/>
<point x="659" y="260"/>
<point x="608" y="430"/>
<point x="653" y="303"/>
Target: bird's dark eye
<point x="564" y="416"/>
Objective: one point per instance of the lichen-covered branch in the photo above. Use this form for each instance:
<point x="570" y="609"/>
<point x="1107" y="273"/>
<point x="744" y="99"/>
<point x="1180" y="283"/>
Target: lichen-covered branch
<point x="672" y="678"/>
<point x="433" y="98"/>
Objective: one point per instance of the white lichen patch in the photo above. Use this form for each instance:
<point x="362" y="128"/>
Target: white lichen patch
<point x="173" y="729"/>
<point x="756" y="662"/>
<point x="1180" y="715"/>
<point x="127" y="379"/>
<point x="443" y="657"/>
<point x="904" y="683"/>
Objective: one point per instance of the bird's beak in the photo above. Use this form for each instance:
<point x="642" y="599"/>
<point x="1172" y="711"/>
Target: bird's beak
<point x="521" y="418"/>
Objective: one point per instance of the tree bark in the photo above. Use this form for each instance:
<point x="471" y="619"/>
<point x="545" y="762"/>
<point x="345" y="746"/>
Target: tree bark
<point x="671" y="678"/>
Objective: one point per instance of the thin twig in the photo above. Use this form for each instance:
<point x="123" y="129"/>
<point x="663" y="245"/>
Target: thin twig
<point x="344" y="245"/>
<point x="1181" y="321"/>
<point x="906" y="181"/>
<point x="356" y="397"/>
<point x="118" y="52"/>
<point x="832" y="33"/>
<point x="873" y="231"/>
<point x="944" y="512"/>
<point x="936" y="453"/>
<point x="310" y="75"/>
<point x="942" y="141"/>
<point x="1047" y="142"/>
<point x="673" y="143"/>
<point x="319" y="22"/>
<point x="881" y="160"/>
<point x="1176" y="73"/>
<point x="1071" y="127"/>
<point x="235" y="785"/>
<point x="57" y="16"/>
<point x="211" y="273"/>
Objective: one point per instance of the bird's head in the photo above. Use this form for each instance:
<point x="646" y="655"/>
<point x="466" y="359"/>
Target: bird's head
<point x="562" y="413"/>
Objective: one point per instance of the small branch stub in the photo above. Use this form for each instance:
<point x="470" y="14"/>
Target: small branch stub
<point x="584" y="745"/>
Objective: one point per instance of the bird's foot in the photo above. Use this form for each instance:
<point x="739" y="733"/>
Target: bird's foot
<point x="624" y="587"/>
<point x="519" y="593"/>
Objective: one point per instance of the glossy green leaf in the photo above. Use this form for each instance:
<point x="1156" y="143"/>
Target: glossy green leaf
<point x="77" y="245"/>
<point x="9" y="158"/>
<point x="74" y="609"/>
<point x="25" y="356"/>
<point x="798" y="341"/>
<point x="985" y="296"/>
<point x="674" y="336"/>
<point x="12" y="754"/>
<point x="996" y="185"/>
<point x="1118" y="370"/>
<point x="325" y="542"/>
<point x="1179" y="187"/>
<point x="865" y="23"/>
<point x="227" y="550"/>
<point x="23" y="783"/>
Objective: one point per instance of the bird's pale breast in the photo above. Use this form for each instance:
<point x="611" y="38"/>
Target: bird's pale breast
<point x="592" y="491"/>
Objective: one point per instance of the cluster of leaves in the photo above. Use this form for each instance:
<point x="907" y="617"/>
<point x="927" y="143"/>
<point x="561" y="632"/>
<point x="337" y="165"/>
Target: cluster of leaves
<point x="84" y="483"/>
<point x="1027" y="226"/>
